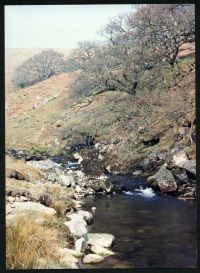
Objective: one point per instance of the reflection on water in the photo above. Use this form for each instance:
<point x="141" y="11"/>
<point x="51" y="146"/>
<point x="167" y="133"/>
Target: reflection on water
<point x="158" y="232"/>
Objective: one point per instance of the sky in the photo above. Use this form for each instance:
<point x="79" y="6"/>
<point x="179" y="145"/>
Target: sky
<point x="56" y="26"/>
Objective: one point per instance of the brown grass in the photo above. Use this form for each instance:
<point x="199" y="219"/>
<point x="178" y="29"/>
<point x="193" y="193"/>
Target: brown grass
<point x="27" y="241"/>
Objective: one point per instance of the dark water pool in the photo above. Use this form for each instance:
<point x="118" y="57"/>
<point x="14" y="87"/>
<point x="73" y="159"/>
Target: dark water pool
<point x="157" y="232"/>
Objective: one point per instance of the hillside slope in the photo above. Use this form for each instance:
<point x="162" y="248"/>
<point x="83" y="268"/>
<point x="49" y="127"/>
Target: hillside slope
<point x="47" y="117"/>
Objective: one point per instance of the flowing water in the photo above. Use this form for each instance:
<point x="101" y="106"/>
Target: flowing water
<point x="150" y="232"/>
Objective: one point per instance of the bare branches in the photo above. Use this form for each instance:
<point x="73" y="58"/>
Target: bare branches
<point x="141" y="44"/>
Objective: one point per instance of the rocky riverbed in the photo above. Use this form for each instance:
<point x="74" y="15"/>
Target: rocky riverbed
<point x="58" y="187"/>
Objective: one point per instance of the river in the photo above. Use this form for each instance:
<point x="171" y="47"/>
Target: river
<point x="154" y="232"/>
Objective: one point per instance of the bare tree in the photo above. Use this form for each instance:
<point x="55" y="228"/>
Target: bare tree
<point x="38" y="68"/>
<point x="138" y="46"/>
<point x="165" y="28"/>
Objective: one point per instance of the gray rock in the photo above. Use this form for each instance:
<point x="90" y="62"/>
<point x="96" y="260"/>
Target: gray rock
<point x="66" y="180"/>
<point x="153" y="161"/>
<point x="69" y="261"/>
<point x="92" y="259"/>
<point x="167" y="185"/>
<point x="101" y="251"/>
<point x="59" y="123"/>
<point x="79" y="189"/>
<point x="180" y="160"/>
<point x="100" y="239"/>
<point x="31" y="206"/>
<point x="86" y="215"/>
<point x="44" y="165"/>
<point x="164" y="179"/>
<point x="101" y="183"/>
<point x="180" y="175"/>
<point x="137" y="173"/>
<point x="52" y="177"/>
<point x="89" y="191"/>
<point x="67" y="251"/>
<point x="77" y="226"/>
<point x="80" y="244"/>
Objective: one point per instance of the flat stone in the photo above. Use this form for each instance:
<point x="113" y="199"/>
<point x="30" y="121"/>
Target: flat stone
<point x="92" y="259"/>
<point x="101" y="251"/>
<point x="100" y="239"/>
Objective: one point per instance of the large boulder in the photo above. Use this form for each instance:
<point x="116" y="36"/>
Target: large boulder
<point x="100" y="239"/>
<point x="92" y="259"/>
<point x="164" y="179"/>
